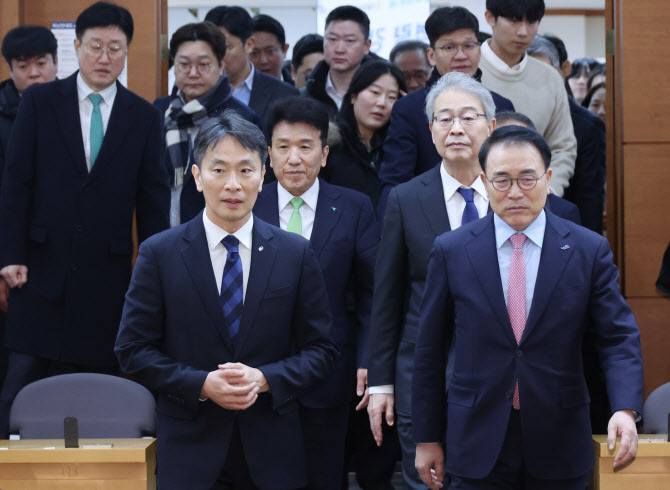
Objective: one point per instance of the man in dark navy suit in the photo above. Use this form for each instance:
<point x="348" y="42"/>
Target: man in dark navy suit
<point x="341" y="227"/>
<point x="227" y="319"/>
<point x="506" y="304"/>
<point x="85" y="155"/>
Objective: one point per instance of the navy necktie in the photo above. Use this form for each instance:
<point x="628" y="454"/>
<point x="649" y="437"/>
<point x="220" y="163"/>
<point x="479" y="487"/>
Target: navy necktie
<point x="470" y="212"/>
<point x="232" y="295"/>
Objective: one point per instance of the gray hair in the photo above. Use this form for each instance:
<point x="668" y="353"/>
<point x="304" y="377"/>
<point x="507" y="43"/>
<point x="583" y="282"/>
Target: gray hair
<point x="464" y="83"/>
<point x="230" y="123"/>
<point x="545" y="48"/>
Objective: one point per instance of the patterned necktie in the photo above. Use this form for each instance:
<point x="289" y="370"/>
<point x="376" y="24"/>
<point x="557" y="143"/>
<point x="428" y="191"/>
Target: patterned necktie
<point x="295" y="223"/>
<point x="97" y="133"/>
<point x="470" y="212"/>
<point x="516" y="297"/>
<point x="232" y="294"/>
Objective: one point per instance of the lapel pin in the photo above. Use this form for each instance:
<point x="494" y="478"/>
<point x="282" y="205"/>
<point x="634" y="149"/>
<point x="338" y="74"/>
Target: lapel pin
<point x="260" y="249"/>
<point x="334" y="209"/>
<point x="565" y="247"/>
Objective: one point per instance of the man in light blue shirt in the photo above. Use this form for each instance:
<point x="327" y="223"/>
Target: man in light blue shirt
<point x="514" y="293"/>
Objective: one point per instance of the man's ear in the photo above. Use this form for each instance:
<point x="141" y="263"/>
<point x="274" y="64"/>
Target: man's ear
<point x="195" y="170"/>
<point x="430" y="53"/>
<point x="490" y="18"/>
<point x="566" y="68"/>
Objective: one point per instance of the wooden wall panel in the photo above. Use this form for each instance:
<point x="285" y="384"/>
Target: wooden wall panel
<point x="646" y="102"/>
<point x="653" y="317"/>
<point x="646" y="174"/>
<point x="144" y="60"/>
<point x="10" y="17"/>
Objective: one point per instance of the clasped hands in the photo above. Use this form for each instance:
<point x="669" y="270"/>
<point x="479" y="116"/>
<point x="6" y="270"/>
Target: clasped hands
<point x="234" y="386"/>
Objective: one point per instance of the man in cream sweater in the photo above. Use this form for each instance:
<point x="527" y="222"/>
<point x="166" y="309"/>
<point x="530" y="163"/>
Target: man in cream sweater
<point x="533" y="87"/>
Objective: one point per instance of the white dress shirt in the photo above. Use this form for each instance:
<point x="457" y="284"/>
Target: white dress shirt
<point x="493" y="58"/>
<point x="243" y="90"/>
<point x="532" y="249"/>
<point x="332" y="93"/>
<point x="218" y="253"/>
<point x="86" y="110"/>
<point x="455" y="204"/>
<point x="307" y="210"/>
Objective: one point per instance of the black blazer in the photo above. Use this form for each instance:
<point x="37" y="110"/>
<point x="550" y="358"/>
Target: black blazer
<point x="265" y="90"/>
<point x="72" y="228"/>
<point x="344" y="239"/>
<point x="172" y="334"/>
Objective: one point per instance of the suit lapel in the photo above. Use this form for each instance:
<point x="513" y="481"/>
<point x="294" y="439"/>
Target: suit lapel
<point x="328" y="211"/>
<point x="259" y="94"/>
<point x="263" y="255"/>
<point x="67" y="110"/>
<point x="557" y="249"/>
<point x="267" y="205"/>
<point x="199" y="265"/>
<point x="432" y="201"/>
<point x="481" y="251"/>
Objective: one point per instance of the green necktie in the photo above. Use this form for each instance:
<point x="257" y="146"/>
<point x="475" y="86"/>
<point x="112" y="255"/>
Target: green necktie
<point x="97" y="132"/>
<point x="295" y="223"/>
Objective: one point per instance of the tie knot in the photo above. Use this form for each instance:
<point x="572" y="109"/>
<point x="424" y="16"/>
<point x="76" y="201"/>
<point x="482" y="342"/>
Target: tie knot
<point x="468" y="194"/>
<point x="517" y="240"/>
<point x="95" y="99"/>
<point x="231" y="243"/>
<point x="296" y="202"/>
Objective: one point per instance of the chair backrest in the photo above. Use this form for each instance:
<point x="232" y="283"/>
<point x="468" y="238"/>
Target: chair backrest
<point x="105" y="407"/>
<point x="655" y="411"/>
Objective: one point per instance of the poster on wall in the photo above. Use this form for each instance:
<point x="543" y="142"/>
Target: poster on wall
<point x="391" y="21"/>
<point x="64" y="32"/>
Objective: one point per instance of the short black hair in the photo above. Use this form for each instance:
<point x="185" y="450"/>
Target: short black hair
<point x="403" y="46"/>
<point x="507" y="116"/>
<point x="235" y="20"/>
<point x="298" y="109"/>
<point x="105" y="14"/>
<point x="592" y="91"/>
<point x="560" y="47"/>
<point x="532" y="10"/>
<point x="597" y="70"/>
<point x="200" y="31"/>
<point x="307" y="44"/>
<point x="24" y="42"/>
<point x="229" y="123"/>
<point x="354" y="14"/>
<point x="483" y="36"/>
<point x="265" y="23"/>
<point x="446" y="20"/>
<point x="582" y="66"/>
<point x="515" y="135"/>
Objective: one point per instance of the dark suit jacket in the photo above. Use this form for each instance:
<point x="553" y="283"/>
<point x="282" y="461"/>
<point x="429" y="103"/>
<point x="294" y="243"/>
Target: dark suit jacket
<point x="265" y="90"/>
<point x="344" y="239"/>
<point x="172" y="334"/>
<point x="416" y="214"/>
<point x="72" y="228"/>
<point x="576" y="284"/>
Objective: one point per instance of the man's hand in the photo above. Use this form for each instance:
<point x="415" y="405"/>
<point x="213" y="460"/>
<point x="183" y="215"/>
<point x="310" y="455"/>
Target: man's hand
<point x="4" y="294"/>
<point x="239" y="374"/>
<point x="429" y="463"/>
<point x="622" y="424"/>
<point x="380" y="403"/>
<point x="362" y="387"/>
<point x="15" y="275"/>
<point x="228" y="395"/>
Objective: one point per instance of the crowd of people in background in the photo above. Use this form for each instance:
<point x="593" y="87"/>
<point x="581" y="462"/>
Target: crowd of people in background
<point x="370" y="160"/>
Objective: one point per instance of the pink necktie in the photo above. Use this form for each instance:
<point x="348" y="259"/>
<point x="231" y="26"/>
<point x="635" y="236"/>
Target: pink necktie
<point x="516" y="297"/>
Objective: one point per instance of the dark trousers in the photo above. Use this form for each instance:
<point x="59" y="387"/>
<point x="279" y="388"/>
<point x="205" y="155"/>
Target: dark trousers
<point x="509" y="472"/>
<point x="324" y="431"/>
<point x="24" y="369"/>
<point x="408" y="446"/>
<point x="235" y="474"/>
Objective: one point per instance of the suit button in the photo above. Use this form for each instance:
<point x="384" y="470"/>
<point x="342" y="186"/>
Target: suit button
<point x="519" y="353"/>
<point x="73" y="267"/>
<point x="509" y="395"/>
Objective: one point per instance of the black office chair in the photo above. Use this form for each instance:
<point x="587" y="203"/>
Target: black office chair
<point x="655" y="411"/>
<point x="105" y="407"/>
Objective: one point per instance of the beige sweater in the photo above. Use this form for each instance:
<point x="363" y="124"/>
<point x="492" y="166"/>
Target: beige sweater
<point x="538" y="92"/>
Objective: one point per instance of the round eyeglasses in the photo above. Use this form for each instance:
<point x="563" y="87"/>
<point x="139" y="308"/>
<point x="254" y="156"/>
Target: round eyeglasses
<point x="526" y="183"/>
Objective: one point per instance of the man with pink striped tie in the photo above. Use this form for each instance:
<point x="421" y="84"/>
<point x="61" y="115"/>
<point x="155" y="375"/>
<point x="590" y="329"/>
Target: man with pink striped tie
<point x="514" y="292"/>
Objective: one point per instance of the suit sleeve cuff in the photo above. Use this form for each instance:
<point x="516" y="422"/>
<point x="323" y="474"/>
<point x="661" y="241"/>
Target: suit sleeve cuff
<point x="376" y="390"/>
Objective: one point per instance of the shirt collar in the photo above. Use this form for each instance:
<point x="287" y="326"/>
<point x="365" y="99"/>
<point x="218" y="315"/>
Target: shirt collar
<point x="83" y="91"/>
<point x="493" y="58"/>
<point x="310" y="196"/>
<point x="249" y="81"/>
<point x="215" y="234"/>
<point x="451" y="185"/>
<point x="534" y="231"/>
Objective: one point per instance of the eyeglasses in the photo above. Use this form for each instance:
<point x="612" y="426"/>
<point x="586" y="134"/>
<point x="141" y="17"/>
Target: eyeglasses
<point x="452" y="49"/>
<point x="526" y="183"/>
<point x="114" y="51"/>
<point x="185" y="68"/>
<point x="467" y="119"/>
